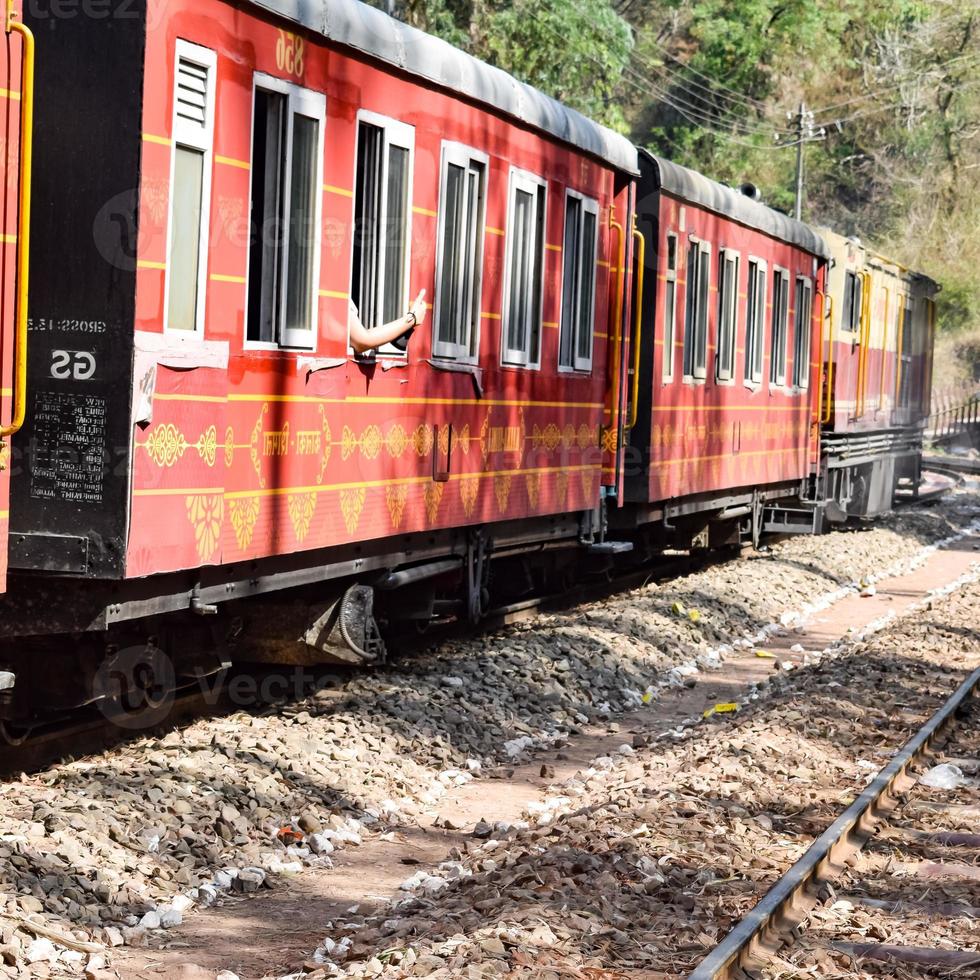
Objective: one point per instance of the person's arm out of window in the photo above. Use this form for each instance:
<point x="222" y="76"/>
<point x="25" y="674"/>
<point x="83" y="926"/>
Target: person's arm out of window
<point x="363" y="340"/>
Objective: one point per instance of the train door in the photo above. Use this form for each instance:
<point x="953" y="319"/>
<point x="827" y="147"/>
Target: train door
<point x="16" y="106"/>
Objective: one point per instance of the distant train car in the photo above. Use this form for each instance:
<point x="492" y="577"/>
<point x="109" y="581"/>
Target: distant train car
<point x="725" y="416"/>
<point x="878" y="364"/>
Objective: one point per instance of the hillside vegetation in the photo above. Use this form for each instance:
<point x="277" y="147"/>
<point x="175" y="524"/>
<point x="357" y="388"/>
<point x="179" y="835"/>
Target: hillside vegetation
<point x="893" y="148"/>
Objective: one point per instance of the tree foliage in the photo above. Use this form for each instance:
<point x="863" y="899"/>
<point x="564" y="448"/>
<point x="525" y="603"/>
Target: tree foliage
<point x="714" y="84"/>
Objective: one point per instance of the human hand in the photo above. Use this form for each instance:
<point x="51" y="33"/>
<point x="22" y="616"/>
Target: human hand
<point x="418" y="309"/>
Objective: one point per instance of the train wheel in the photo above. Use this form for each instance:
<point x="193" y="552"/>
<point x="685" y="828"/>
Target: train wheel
<point x="14" y="737"/>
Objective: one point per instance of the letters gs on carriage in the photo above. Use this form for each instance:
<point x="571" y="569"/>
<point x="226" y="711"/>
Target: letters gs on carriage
<point x="73" y="365"/>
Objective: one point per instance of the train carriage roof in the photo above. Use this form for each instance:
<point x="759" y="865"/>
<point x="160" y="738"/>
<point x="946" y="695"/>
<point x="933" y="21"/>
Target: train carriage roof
<point x="689" y="185"/>
<point x="372" y="32"/>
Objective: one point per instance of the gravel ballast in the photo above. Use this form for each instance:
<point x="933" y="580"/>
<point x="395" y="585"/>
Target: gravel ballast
<point x="111" y="849"/>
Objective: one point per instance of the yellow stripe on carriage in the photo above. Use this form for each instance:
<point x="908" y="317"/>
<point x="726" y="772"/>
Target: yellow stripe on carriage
<point x="368" y="400"/>
<point x="232" y="162"/>
<point x="364" y="484"/>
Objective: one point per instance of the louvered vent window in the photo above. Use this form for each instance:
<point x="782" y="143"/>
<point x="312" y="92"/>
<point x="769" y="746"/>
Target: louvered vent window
<point x="190" y="191"/>
<point x="192" y="93"/>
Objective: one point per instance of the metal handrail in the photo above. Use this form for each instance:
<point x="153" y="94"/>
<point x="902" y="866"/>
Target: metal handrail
<point x="864" y="342"/>
<point x="19" y="412"/>
<point x="828" y="415"/>
<point x="641" y="246"/>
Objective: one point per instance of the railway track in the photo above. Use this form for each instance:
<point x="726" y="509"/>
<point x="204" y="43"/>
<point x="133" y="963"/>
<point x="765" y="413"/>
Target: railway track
<point x="774" y="930"/>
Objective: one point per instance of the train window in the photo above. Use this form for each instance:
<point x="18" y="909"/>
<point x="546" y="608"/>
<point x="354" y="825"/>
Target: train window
<point x="904" y="360"/>
<point x="802" y="332"/>
<point x="755" y="319"/>
<point x="460" y="260"/>
<point x="578" y="288"/>
<point x="382" y="220"/>
<point x="696" y="310"/>
<point x="190" y="195"/>
<point x="727" y="314"/>
<point x="851" y="314"/>
<point x="283" y="261"/>
<point x="670" y="308"/>
<point x="780" y="322"/>
<point x="523" y="291"/>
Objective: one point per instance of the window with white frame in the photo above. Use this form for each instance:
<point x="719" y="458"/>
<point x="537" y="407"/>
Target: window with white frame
<point x="727" y="314"/>
<point x="382" y="219"/>
<point x="696" y="310"/>
<point x="803" y="332"/>
<point x="459" y="284"/>
<point x="780" y="323"/>
<point x="670" y="308"/>
<point x="190" y="187"/>
<point x="853" y="299"/>
<point x="524" y="270"/>
<point x="578" y="283"/>
<point x="755" y="319"/>
<point x="284" y="251"/>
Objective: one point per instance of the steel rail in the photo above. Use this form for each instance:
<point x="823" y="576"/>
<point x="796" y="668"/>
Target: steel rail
<point x="779" y="912"/>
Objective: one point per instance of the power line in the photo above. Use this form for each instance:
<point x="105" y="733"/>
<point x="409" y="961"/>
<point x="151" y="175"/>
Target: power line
<point x="894" y="85"/>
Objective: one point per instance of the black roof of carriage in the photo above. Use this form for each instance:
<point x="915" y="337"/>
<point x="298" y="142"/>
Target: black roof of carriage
<point x="689" y="185"/>
<point x="372" y="32"/>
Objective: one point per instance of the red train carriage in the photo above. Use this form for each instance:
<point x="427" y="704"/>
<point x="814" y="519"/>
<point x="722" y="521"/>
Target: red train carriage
<point x="220" y="181"/>
<point x="726" y="414"/>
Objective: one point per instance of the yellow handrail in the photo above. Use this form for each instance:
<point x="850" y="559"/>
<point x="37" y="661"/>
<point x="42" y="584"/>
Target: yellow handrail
<point x="24" y="222"/>
<point x="641" y="256"/>
<point x="865" y="341"/>
<point x="616" y="333"/>
<point x="829" y="315"/>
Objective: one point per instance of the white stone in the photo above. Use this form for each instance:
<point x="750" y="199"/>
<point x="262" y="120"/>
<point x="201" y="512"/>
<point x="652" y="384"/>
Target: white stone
<point x="41" y="951"/>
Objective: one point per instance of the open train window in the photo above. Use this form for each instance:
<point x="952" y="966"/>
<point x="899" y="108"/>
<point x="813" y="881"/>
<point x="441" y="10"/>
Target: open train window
<point x="460" y="260"/>
<point x="190" y="196"/>
<point x="780" y="323"/>
<point x="755" y="318"/>
<point x="524" y="271"/>
<point x="382" y="220"/>
<point x="802" y="332"/>
<point x="284" y="250"/>
<point x="851" y="313"/>
<point x="696" y="310"/>
<point x="727" y="313"/>
<point x="670" y="308"/>
<point x="578" y="284"/>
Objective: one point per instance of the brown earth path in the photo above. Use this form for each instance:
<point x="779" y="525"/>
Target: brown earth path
<point x="270" y="935"/>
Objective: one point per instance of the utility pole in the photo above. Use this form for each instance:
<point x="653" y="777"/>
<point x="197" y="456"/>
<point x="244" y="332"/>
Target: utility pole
<point x="805" y="133"/>
<point x="800" y="131"/>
